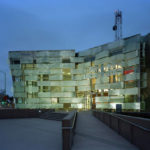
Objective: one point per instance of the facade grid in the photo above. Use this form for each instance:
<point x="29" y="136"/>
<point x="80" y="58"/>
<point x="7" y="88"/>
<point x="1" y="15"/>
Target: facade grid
<point x="98" y="78"/>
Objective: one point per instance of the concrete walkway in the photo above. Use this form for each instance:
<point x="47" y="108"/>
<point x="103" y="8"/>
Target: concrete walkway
<point x="30" y="134"/>
<point x="92" y="134"/>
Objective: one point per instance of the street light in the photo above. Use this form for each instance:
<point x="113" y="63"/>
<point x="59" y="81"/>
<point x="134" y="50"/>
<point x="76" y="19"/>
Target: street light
<point x="4" y="73"/>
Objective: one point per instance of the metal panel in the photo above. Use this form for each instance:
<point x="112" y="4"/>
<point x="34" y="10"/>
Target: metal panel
<point x="68" y="89"/>
<point x="84" y="88"/>
<point x="131" y="91"/>
<point x="63" y="94"/>
<point x="134" y="61"/>
<point x="132" y="76"/>
<point x="16" y="94"/>
<point x="16" y="72"/>
<point x="83" y="82"/>
<point x="102" y="99"/>
<point x="118" y="85"/>
<point x="31" y="78"/>
<point x="77" y="59"/>
<point x="72" y="100"/>
<point x="131" y="106"/>
<point x="102" y="54"/>
<point x="116" y="92"/>
<point x="102" y="86"/>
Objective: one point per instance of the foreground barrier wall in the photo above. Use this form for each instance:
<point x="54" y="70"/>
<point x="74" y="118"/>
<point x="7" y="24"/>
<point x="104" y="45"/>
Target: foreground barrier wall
<point x="22" y="113"/>
<point x="136" y="134"/>
<point x="68" y="127"/>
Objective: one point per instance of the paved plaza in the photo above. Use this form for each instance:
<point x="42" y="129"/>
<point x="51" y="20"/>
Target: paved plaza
<point x="92" y="134"/>
<point x="40" y="134"/>
<point x="30" y="134"/>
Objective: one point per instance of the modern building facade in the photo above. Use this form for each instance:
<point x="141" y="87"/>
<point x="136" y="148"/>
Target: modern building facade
<point x="98" y="78"/>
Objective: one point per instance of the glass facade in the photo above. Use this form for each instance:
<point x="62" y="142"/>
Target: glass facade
<point x="97" y="78"/>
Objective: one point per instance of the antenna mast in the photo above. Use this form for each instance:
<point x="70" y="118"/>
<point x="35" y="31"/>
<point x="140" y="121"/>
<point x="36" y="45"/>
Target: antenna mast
<point x="118" y="25"/>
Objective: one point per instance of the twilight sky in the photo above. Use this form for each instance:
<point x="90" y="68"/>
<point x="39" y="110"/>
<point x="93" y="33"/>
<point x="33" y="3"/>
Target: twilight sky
<point x="65" y="24"/>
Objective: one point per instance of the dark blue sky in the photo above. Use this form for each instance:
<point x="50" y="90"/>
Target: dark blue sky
<point x="65" y="24"/>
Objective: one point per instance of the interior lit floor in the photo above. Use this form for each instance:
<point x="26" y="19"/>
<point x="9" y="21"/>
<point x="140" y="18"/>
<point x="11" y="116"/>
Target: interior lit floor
<point x="30" y="134"/>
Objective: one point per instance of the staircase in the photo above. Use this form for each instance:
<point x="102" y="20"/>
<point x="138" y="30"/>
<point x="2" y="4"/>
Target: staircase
<point x="57" y="116"/>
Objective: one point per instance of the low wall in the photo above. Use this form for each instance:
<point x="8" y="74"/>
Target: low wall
<point x="144" y="122"/>
<point x="138" y="135"/>
<point x="68" y="127"/>
<point x="137" y="114"/>
<point x="22" y="113"/>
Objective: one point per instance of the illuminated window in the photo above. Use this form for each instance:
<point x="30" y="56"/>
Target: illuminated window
<point x="111" y="79"/>
<point x="92" y="63"/>
<point x="54" y="100"/>
<point x="105" y="92"/>
<point x="28" y="66"/>
<point x="105" y="67"/>
<point x="118" y="77"/>
<point x="80" y="94"/>
<point x="66" y="74"/>
<point x="93" y="83"/>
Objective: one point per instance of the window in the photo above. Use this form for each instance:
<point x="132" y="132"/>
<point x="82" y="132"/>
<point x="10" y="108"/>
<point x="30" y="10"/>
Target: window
<point x="22" y="78"/>
<point x="118" y="77"/>
<point x="28" y="66"/>
<point x="45" y="89"/>
<point x="32" y="95"/>
<point x="54" y="100"/>
<point x="80" y="94"/>
<point x="45" y="77"/>
<point x="55" y="89"/>
<point x="16" y="79"/>
<point x="66" y="74"/>
<point x="111" y="79"/>
<point x="29" y="83"/>
<point x="131" y="84"/>
<point x="66" y="60"/>
<point x="76" y="65"/>
<point x="129" y="70"/>
<point x="34" y="61"/>
<point x="116" y="52"/>
<point x="34" y="83"/>
<point x="93" y="83"/>
<point x="16" y="62"/>
<point x="130" y="98"/>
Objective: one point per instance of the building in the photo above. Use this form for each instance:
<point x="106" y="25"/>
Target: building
<point x="98" y="78"/>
